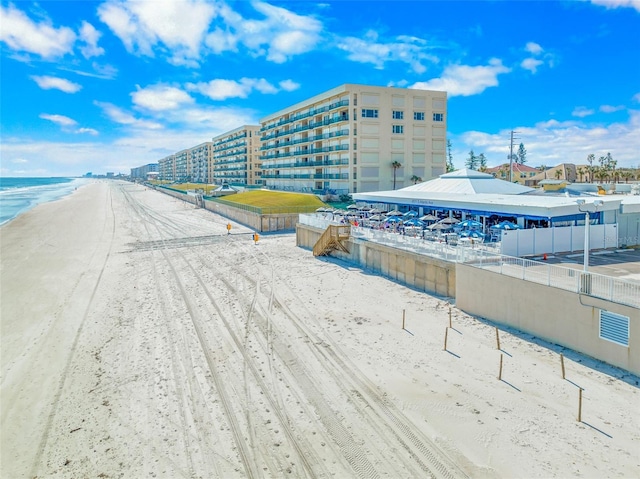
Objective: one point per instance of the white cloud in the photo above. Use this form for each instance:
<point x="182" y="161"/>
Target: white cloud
<point x="636" y="98"/>
<point x="179" y="26"/>
<point x="90" y="36"/>
<point x="54" y="83"/>
<point x="465" y="80"/>
<point x="531" y="64"/>
<point x="22" y="34"/>
<point x="405" y="49"/>
<point x="160" y="97"/>
<point x="553" y="142"/>
<point x="618" y="3"/>
<point x="118" y="115"/>
<point x="533" y="48"/>
<point x="289" y="85"/>
<point x="59" y="119"/>
<point x="89" y="131"/>
<point x="611" y="108"/>
<point x="283" y="32"/>
<point x="221" y="89"/>
<point x="582" y="111"/>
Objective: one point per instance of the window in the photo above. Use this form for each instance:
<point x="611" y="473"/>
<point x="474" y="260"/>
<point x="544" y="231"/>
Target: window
<point x="369" y="113"/>
<point x="397" y="115"/>
<point x="418" y="115"/>
<point x="438" y="117"/>
<point x="397" y="128"/>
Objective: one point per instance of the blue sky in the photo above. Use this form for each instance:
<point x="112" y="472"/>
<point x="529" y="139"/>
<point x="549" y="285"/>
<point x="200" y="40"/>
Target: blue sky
<point x="110" y="85"/>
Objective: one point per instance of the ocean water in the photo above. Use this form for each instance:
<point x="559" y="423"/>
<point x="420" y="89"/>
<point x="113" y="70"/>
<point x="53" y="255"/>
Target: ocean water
<point x="18" y="195"/>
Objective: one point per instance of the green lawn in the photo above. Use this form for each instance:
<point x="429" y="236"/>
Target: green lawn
<point x="267" y="198"/>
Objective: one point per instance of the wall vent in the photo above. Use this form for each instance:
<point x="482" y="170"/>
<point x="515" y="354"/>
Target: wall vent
<point x="614" y="327"/>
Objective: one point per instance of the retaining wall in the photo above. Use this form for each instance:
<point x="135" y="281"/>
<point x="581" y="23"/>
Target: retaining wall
<point x="559" y="316"/>
<point x="418" y="271"/>
<point x="255" y="221"/>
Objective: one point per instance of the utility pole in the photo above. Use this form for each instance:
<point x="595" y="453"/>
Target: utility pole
<point x="511" y="156"/>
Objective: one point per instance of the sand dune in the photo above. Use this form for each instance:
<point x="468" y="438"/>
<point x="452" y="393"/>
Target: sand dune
<point x="139" y="339"/>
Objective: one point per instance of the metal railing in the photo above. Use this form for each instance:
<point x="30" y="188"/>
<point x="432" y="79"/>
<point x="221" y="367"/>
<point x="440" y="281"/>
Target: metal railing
<point x="612" y="289"/>
<point x="487" y="256"/>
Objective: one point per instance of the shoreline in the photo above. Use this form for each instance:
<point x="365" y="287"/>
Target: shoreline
<point x="138" y="339"/>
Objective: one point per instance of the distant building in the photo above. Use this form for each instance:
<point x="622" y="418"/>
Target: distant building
<point x="521" y="173"/>
<point x="167" y="168"/>
<point x="201" y="163"/>
<point x="355" y="138"/>
<point x="564" y="171"/>
<point x="141" y="172"/>
<point x="236" y="159"/>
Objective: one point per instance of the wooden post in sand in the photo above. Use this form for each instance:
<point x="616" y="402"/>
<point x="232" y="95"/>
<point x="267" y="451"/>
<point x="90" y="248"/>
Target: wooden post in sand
<point x="446" y="332"/>
<point x="450" y="316"/>
<point x="403" y="315"/>
<point x="562" y="364"/>
<point x="500" y="370"/>
<point x="497" y="338"/>
<point x="580" y="405"/>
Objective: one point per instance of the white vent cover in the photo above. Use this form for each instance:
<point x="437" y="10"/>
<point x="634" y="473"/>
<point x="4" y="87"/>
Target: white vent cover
<point x="614" y="327"/>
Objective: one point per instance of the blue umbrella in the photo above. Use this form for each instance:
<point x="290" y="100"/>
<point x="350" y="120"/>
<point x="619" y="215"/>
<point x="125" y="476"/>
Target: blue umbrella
<point x="410" y="214"/>
<point x="506" y="225"/>
<point x="472" y="234"/>
<point x="414" y="222"/>
<point x="393" y="219"/>
<point x="469" y="224"/>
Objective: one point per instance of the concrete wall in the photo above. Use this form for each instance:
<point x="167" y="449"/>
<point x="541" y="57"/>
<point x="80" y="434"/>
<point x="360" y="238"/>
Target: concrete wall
<point x="558" y="316"/>
<point x="259" y="223"/>
<point x="418" y="271"/>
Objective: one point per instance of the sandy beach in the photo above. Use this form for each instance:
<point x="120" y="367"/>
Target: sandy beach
<point x="139" y="339"/>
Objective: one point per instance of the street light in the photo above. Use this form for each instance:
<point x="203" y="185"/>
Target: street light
<point x="587" y="222"/>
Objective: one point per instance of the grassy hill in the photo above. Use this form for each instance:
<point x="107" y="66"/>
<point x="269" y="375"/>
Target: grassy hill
<point x="267" y="199"/>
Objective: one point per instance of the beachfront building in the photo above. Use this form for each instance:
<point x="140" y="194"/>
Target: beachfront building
<point x="182" y="166"/>
<point x="521" y="173"/>
<point x="167" y="168"/>
<point x="355" y="138"/>
<point x="142" y="172"/>
<point x="236" y="158"/>
<point x="201" y="162"/>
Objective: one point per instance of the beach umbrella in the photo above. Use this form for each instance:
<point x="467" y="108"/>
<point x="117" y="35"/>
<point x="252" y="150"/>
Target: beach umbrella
<point x="414" y="222"/>
<point x="470" y="224"/>
<point x="429" y="218"/>
<point x="374" y="211"/>
<point x="506" y="225"/>
<point x="472" y="234"/>
<point x="393" y="219"/>
<point x="352" y="207"/>
<point x="394" y="213"/>
<point x="376" y="218"/>
<point x="410" y="214"/>
<point x="364" y="208"/>
<point x="322" y="209"/>
<point x="439" y="226"/>
<point x="450" y="220"/>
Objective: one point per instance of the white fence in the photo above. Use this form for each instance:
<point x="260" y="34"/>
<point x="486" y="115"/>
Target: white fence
<point x="488" y="256"/>
<point x="604" y="287"/>
<point x="557" y="240"/>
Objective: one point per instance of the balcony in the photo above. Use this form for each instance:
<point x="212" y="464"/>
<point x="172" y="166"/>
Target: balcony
<point x="306" y="140"/>
<point x="301" y="116"/>
<point x="309" y="151"/>
<point x="308" y="164"/>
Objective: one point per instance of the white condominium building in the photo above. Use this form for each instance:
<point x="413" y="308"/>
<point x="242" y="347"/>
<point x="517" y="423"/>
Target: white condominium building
<point x="236" y="157"/>
<point x="355" y="138"/>
<point x="201" y="161"/>
<point x="167" y="168"/>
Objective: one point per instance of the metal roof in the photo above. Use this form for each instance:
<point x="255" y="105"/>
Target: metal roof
<point x="468" y="182"/>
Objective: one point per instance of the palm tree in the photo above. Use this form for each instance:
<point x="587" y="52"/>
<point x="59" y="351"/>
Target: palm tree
<point x="543" y="169"/>
<point x="395" y="165"/>
<point x="581" y="173"/>
<point x="416" y="179"/>
<point x="558" y="174"/>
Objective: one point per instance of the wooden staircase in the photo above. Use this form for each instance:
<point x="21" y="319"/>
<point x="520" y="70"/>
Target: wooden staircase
<point x="332" y="239"/>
